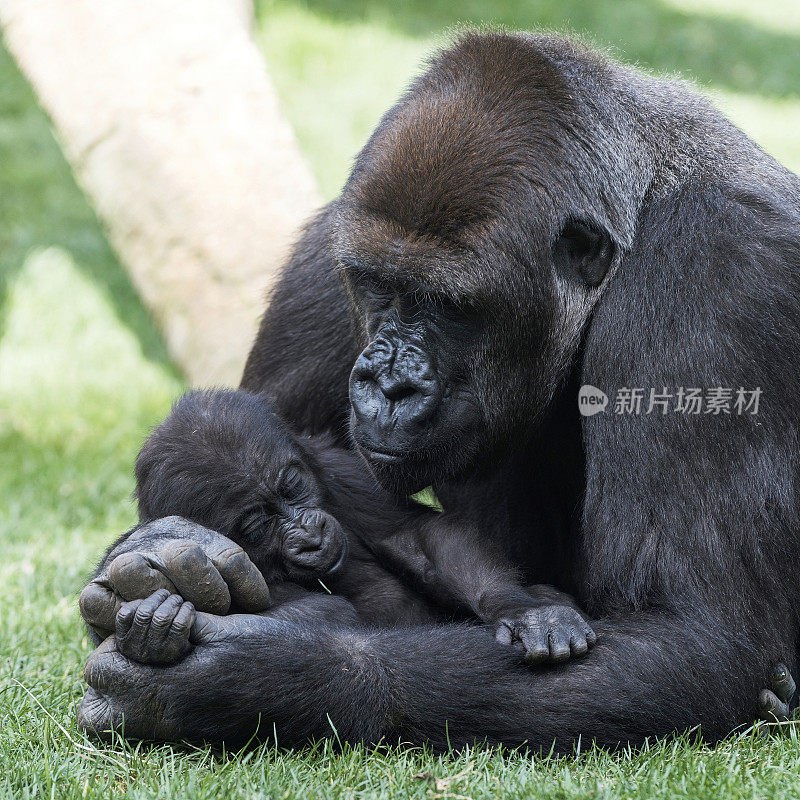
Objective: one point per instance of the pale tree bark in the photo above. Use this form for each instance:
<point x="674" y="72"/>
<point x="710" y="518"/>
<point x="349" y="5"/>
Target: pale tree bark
<point x="173" y="127"/>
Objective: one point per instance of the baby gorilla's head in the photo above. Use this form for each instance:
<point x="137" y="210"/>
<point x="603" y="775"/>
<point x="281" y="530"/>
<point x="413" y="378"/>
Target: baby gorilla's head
<point x="227" y="460"/>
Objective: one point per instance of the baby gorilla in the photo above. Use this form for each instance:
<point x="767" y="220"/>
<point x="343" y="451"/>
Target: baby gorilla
<point x="311" y="517"/>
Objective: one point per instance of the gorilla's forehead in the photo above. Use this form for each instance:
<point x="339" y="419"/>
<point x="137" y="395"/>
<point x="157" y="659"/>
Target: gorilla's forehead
<point x="482" y="131"/>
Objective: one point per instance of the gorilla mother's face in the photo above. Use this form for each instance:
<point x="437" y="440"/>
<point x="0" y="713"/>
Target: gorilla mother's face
<point x="415" y="411"/>
<point x="464" y="346"/>
<point x="473" y="245"/>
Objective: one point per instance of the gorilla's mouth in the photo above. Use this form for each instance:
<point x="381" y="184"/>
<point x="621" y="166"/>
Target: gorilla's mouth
<point x="384" y="450"/>
<point x="333" y="569"/>
<point x="400" y="471"/>
<point x="383" y="456"/>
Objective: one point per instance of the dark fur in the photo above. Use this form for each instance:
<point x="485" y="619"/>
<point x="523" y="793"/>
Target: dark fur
<point x="221" y="459"/>
<point x="680" y="532"/>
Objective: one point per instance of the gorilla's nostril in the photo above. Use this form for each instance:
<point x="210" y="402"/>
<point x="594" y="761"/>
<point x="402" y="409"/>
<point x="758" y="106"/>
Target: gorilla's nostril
<point x="366" y="397"/>
<point x="303" y="542"/>
<point x="396" y="393"/>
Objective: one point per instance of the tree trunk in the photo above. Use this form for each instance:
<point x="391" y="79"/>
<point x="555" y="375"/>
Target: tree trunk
<point x="169" y="118"/>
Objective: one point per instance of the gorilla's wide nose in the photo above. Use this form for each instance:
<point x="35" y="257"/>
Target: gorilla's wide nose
<point x="316" y="543"/>
<point x="391" y="388"/>
<point x="396" y="388"/>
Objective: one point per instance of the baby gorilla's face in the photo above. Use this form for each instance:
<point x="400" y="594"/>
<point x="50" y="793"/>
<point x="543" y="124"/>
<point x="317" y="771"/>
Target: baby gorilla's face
<point x="286" y="522"/>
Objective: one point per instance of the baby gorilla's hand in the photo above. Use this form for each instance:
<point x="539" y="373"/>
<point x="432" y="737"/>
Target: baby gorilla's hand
<point x="155" y="630"/>
<point x="547" y="633"/>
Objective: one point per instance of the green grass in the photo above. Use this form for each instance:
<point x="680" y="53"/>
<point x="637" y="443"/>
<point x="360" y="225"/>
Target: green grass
<point x="84" y="373"/>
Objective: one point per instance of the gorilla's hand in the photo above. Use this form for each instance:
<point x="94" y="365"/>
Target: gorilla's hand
<point x="165" y="703"/>
<point x="549" y="633"/>
<point x="206" y="568"/>
<point x="156" y="630"/>
<point x="774" y="703"/>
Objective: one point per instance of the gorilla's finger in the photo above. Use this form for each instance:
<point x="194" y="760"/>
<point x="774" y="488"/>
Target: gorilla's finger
<point x="185" y="617"/>
<point x="165" y="638"/>
<point x="177" y="641"/>
<point x="133" y="577"/>
<point x="782" y="683"/>
<point x="164" y="616"/>
<point x="534" y="640"/>
<point x="591" y="636"/>
<point x="105" y="666"/>
<point x="125" y="617"/>
<point x="101" y="716"/>
<point x="94" y="714"/>
<point x="771" y="708"/>
<point x="578" y="644"/>
<point x="99" y="606"/>
<point x="559" y="645"/>
<point x="143" y="616"/>
<point x="503" y="634"/>
<point x="195" y="577"/>
<point x="247" y="586"/>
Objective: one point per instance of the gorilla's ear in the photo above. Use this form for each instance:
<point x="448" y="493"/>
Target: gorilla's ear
<point x="585" y="246"/>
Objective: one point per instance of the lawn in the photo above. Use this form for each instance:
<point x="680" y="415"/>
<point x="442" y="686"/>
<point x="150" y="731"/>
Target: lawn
<point x="84" y="374"/>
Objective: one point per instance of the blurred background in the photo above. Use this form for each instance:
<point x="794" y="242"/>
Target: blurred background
<point x="339" y="64"/>
<point x="85" y="368"/>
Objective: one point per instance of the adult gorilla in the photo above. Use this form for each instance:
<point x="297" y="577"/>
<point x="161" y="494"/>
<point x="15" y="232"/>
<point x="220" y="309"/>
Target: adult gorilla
<point x="528" y="218"/>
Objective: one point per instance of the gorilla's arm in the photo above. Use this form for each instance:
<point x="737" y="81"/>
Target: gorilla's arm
<point x="214" y="456"/>
<point x="649" y="675"/>
<point x="445" y="557"/>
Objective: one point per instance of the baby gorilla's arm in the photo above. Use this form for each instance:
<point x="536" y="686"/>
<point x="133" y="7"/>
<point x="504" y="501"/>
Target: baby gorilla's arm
<point x="155" y="630"/>
<point x="162" y="628"/>
<point x="455" y="564"/>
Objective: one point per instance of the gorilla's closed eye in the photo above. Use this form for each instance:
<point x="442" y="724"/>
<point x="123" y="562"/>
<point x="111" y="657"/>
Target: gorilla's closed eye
<point x="366" y="283"/>
<point x="586" y="247"/>
<point x="252" y="523"/>
<point x="374" y="288"/>
<point x="411" y="304"/>
<point x="291" y="483"/>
